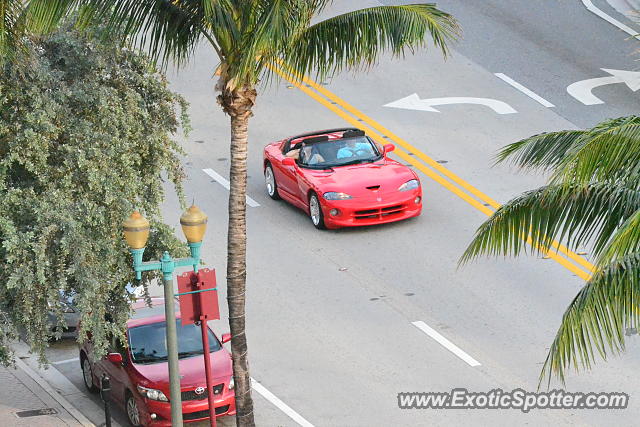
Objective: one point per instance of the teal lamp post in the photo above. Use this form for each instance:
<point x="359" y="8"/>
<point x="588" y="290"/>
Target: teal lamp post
<point x="136" y="232"/>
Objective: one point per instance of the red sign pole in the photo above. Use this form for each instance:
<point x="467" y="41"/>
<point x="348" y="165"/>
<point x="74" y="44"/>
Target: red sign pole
<point x="199" y="302"/>
<point x="207" y="368"/>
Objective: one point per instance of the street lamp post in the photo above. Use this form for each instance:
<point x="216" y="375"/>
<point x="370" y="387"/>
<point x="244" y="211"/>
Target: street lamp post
<point x="136" y="232"/>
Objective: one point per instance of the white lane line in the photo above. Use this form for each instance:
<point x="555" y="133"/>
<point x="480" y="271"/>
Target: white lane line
<point x="592" y="8"/>
<point x="60" y="362"/>
<point x="225" y="183"/>
<point x="279" y="403"/>
<point x="445" y="343"/>
<point x="531" y="94"/>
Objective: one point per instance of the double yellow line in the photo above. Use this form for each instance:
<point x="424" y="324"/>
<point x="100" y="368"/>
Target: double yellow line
<point x="432" y="169"/>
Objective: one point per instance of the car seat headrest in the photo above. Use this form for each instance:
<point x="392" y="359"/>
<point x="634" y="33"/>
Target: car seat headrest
<point x="313" y="139"/>
<point x="351" y="133"/>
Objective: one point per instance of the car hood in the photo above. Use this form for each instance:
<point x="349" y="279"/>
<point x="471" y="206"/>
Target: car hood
<point x="354" y="179"/>
<point x="191" y="371"/>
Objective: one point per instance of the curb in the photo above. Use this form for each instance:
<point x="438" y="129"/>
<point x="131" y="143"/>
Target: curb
<point x="55" y="395"/>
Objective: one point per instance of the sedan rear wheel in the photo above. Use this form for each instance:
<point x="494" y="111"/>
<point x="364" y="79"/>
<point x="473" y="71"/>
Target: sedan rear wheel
<point x="315" y="212"/>
<point x="270" y="182"/>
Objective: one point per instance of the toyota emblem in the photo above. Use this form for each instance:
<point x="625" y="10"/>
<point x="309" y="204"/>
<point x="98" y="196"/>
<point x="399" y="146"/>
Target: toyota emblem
<point x="199" y="390"/>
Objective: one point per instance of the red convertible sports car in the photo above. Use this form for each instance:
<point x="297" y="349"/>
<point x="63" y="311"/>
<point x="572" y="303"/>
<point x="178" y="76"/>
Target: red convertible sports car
<point x="341" y="178"/>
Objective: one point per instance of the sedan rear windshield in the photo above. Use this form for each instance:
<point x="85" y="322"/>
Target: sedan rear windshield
<point x="148" y="344"/>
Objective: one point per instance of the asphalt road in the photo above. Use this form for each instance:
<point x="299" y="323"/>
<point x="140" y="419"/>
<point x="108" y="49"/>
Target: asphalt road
<point x="330" y="313"/>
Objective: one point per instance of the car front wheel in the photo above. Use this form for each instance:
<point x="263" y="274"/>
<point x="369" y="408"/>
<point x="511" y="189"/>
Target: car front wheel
<point x="133" y="413"/>
<point x="315" y="212"/>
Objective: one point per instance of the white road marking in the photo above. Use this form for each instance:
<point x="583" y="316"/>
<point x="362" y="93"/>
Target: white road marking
<point x="625" y="8"/>
<point x="445" y="343"/>
<point x="279" y="403"/>
<point x="592" y="8"/>
<point x="413" y="102"/>
<point x="60" y="362"/>
<point x="225" y="183"/>
<point x="531" y="94"/>
<point x="582" y="90"/>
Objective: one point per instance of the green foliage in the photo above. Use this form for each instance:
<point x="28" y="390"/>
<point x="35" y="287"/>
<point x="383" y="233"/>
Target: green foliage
<point x="85" y="138"/>
<point x="592" y="199"/>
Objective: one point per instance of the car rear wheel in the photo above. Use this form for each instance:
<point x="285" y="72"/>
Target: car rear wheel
<point x="87" y="374"/>
<point x="270" y="182"/>
<point x="315" y="212"/>
<point x="133" y="413"/>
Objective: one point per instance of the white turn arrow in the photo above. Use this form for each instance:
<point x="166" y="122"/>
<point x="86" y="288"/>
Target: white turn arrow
<point x="413" y="102"/>
<point x="582" y="90"/>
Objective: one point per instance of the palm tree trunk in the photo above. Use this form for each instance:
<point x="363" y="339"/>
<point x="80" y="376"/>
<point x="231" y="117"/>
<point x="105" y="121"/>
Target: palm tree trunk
<point x="238" y="104"/>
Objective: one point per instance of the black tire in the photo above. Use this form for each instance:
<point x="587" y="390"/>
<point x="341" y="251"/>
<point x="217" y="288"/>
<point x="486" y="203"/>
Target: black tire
<point x="317" y="218"/>
<point x="87" y="371"/>
<point x="130" y="399"/>
<point x="270" y="182"/>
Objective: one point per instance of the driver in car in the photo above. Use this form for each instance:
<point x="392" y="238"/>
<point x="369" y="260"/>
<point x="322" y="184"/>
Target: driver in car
<point x="354" y="148"/>
<point x="311" y="155"/>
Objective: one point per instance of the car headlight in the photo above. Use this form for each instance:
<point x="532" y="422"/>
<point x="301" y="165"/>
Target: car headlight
<point x="332" y="195"/>
<point x="152" y="393"/>
<point x="409" y="185"/>
<point x="232" y="383"/>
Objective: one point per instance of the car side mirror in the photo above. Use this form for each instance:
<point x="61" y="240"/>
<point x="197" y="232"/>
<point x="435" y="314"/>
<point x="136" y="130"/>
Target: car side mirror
<point x="289" y="161"/>
<point x="389" y="148"/>
<point x="115" y="358"/>
<point x="226" y="338"/>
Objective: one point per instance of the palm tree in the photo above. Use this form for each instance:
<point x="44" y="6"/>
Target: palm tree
<point x="592" y="198"/>
<point x="250" y="37"/>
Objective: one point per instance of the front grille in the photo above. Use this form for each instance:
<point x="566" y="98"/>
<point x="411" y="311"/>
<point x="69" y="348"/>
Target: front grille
<point x="204" y="414"/>
<point x="191" y="394"/>
<point x="379" y="213"/>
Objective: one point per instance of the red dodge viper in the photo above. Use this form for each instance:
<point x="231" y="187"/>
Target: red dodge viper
<point x="341" y="178"/>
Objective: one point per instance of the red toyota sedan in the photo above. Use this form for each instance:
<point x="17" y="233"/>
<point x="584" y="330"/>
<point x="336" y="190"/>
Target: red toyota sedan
<point x="139" y="373"/>
<point x="341" y="178"/>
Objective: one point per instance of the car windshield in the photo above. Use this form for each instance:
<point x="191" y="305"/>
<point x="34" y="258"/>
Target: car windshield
<point x="341" y="152"/>
<point x="148" y="344"/>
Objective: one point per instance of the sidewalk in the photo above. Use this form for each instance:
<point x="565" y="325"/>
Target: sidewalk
<point x="23" y="402"/>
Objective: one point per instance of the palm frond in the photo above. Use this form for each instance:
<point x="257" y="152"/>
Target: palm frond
<point x="45" y="15"/>
<point x="611" y="149"/>
<point x="167" y="30"/>
<point x="356" y="39"/>
<point x="624" y="241"/>
<point x="164" y="29"/>
<point x="12" y="29"/>
<point x="574" y="215"/>
<point x="271" y="29"/>
<point x="544" y="151"/>
<point x="596" y="319"/>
